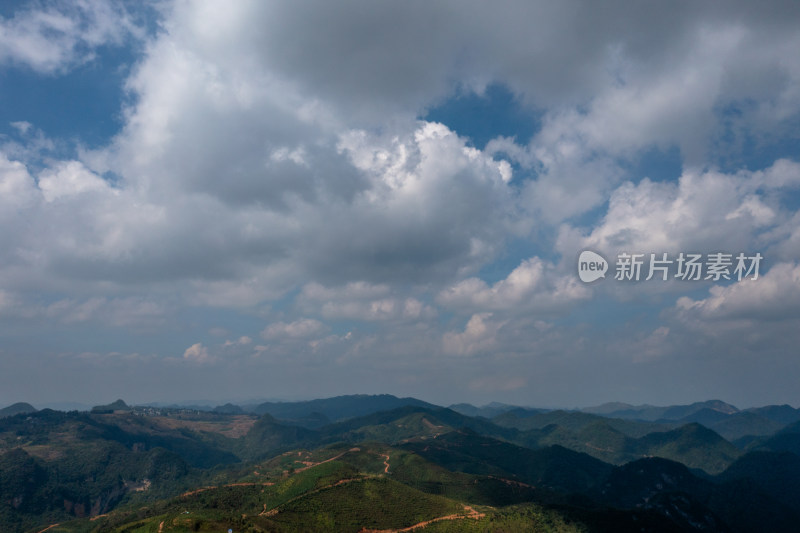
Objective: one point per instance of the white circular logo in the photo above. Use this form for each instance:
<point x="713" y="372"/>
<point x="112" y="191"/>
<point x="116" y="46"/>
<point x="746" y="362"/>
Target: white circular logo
<point x="591" y="266"/>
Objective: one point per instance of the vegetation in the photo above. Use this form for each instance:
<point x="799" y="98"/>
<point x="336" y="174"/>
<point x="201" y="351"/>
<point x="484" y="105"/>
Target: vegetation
<point x="159" y="470"/>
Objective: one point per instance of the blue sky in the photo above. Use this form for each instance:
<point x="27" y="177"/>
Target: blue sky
<point x="227" y="202"/>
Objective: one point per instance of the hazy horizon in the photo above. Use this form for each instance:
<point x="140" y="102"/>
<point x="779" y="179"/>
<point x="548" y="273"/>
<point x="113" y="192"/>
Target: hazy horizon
<point x="80" y="406"/>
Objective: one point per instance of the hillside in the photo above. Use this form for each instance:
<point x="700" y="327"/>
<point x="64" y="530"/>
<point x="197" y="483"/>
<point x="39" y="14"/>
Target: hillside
<point x="19" y="408"/>
<point x="143" y="468"/>
<point x="337" y="408"/>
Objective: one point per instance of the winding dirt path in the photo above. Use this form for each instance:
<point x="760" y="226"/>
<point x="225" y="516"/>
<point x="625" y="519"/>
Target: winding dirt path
<point x="385" y="462"/>
<point x="198" y="491"/>
<point x="310" y="464"/>
<point x="470" y="513"/>
<point x="49" y="527"/>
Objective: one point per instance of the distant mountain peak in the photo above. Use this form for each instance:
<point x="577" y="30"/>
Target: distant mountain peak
<point x="16" y="409"/>
<point x="118" y="405"/>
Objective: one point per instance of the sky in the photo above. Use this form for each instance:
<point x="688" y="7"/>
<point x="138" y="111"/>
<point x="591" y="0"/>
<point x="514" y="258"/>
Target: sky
<point x="234" y="201"/>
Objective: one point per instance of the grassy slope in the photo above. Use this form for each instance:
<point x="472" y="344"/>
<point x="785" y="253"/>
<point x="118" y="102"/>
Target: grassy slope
<point x="332" y="496"/>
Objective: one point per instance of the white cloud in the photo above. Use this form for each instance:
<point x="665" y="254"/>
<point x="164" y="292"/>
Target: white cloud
<point x="22" y="126"/>
<point x="705" y="212"/>
<point x="197" y="353"/>
<point x="244" y="340"/>
<point x="53" y="38"/>
<point x="361" y="301"/>
<point x="532" y="286"/>
<point x="304" y="328"/>
<point x="16" y="184"/>
<point x="274" y="152"/>
<point x="67" y="179"/>
<point x="479" y="336"/>
<point x="773" y="296"/>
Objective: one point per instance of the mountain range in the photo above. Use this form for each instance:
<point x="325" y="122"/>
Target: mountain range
<point x="362" y="463"/>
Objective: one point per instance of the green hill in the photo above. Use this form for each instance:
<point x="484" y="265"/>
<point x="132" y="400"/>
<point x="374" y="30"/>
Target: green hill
<point x="149" y="469"/>
<point x="228" y="409"/>
<point x="653" y="413"/>
<point x="118" y="405"/>
<point x="19" y="408"/>
<point x="329" y="497"/>
<point x="775" y="473"/>
<point x="338" y="408"/>
<point x="745" y="423"/>
<point x="783" y="414"/>
<point x="554" y="467"/>
<point x="268" y="437"/>
<point x="693" y="445"/>
<point x="576" y="421"/>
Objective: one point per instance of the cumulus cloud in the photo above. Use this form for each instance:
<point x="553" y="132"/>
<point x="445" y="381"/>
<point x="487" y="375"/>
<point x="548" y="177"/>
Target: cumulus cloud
<point x="274" y="161"/>
<point x="53" y="37"/>
<point x="243" y="178"/>
<point x="706" y="211"/>
<point x="773" y="296"/>
<point x="479" y="336"/>
<point x="303" y="328"/>
<point x="362" y="301"/>
<point x="244" y="340"/>
<point x="197" y="353"/>
<point x="533" y="285"/>
<point x="68" y="179"/>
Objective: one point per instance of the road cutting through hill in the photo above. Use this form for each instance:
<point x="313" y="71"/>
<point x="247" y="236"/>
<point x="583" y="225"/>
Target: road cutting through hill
<point x="386" y="462"/>
<point x="470" y="513"/>
<point x="310" y="464"/>
<point x="204" y="489"/>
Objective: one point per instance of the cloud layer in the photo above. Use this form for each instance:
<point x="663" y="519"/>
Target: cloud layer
<point x="275" y="178"/>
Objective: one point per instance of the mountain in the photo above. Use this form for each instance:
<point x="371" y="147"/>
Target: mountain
<point x="491" y="410"/>
<point x="693" y="445"/>
<point x="670" y="489"/>
<point x="673" y="412"/>
<point x="118" y="405"/>
<point x="783" y="414"/>
<point x="66" y="465"/>
<point x="161" y="469"/>
<point x="406" y="422"/>
<point x="269" y="436"/>
<point x="342" y="491"/>
<point x="524" y="419"/>
<point x="745" y="423"/>
<point x="575" y="420"/>
<point x="228" y="409"/>
<point x="612" y="407"/>
<point x="775" y="473"/>
<point x="19" y="408"/>
<point x="705" y="416"/>
<point x="785" y="440"/>
<point x="649" y="482"/>
<point x="554" y="467"/>
<point x="678" y="412"/>
<point x="338" y="408"/>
